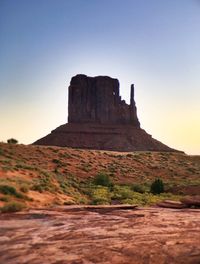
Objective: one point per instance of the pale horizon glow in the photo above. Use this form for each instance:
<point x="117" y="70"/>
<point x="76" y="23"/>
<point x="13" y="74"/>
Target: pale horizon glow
<point x="151" y="43"/>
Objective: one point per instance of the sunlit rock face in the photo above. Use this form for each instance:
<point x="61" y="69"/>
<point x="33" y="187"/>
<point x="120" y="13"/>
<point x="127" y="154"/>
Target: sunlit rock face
<point x="99" y="119"/>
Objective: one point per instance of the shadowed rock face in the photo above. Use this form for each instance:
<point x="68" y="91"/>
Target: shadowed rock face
<point x="97" y="100"/>
<point x="100" y="119"/>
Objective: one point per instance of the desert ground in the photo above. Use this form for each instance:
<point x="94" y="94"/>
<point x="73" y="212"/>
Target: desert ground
<point x="51" y="188"/>
<point x="46" y="176"/>
<point x="72" y="235"/>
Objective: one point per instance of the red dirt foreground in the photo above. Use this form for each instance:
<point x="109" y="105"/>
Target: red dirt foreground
<point x="85" y="235"/>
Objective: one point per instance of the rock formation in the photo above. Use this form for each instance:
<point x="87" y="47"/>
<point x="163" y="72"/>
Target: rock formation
<point x="99" y="119"/>
<point x="96" y="100"/>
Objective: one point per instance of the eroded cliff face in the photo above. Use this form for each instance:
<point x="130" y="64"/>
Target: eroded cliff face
<point x="97" y="100"/>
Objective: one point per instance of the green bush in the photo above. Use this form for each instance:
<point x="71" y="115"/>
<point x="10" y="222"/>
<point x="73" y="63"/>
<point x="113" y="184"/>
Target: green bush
<point x="103" y="180"/>
<point x="10" y="190"/>
<point x="6" y="189"/>
<point x="138" y="188"/>
<point x="157" y="187"/>
<point x="13" y="207"/>
<point x="12" y="141"/>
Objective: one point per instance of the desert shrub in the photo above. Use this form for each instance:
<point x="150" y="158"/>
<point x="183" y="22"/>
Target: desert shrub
<point x="44" y="183"/>
<point x="25" y="166"/>
<point x="85" y="167"/>
<point x="10" y="190"/>
<point x="103" y="180"/>
<point x="13" y="207"/>
<point x="57" y="161"/>
<point x="1" y="152"/>
<point x="6" y="189"/>
<point x="82" y="200"/>
<point x="4" y="199"/>
<point x="55" y="150"/>
<point x="69" y="202"/>
<point x="101" y="195"/>
<point x="24" y="188"/>
<point x="157" y="186"/>
<point x="121" y="193"/>
<point x="7" y="168"/>
<point x="12" y="141"/>
<point x="65" y="155"/>
<point x="144" y="199"/>
<point x="56" y="170"/>
<point x="129" y="155"/>
<point x="40" y="188"/>
<point x="138" y="188"/>
<point x="68" y="180"/>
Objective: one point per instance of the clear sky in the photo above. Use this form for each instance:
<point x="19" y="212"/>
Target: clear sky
<point x="154" y="44"/>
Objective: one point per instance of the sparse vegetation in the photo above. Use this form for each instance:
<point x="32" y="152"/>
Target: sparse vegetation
<point x="4" y="199"/>
<point x="1" y="152"/>
<point x="6" y="189"/>
<point x="10" y="190"/>
<point x="92" y="176"/>
<point x="12" y="141"/>
<point x="44" y="183"/>
<point x="138" y="188"/>
<point x="101" y="195"/>
<point x="12" y="207"/>
<point x="57" y="161"/>
<point x="121" y="193"/>
<point x="24" y="188"/>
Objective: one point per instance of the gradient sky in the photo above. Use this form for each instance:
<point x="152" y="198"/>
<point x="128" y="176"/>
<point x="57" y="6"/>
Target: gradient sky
<point x="154" y="44"/>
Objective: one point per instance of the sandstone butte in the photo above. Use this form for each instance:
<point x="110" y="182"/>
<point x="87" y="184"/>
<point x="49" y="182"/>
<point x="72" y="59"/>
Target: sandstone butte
<point x="99" y="119"/>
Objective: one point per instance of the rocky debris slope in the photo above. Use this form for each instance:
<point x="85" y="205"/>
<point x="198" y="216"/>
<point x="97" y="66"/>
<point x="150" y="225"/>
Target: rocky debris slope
<point x="80" y="235"/>
<point x="103" y="137"/>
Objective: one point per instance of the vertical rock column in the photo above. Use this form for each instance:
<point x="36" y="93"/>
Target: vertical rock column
<point x="133" y="110"/>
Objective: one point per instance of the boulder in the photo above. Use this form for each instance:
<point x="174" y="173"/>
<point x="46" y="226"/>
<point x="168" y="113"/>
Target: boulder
<point x="172" y="204"/>
<point x="191" y="201"/>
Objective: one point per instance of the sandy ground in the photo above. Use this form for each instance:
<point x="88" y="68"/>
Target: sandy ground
<point x="84" y="236"/>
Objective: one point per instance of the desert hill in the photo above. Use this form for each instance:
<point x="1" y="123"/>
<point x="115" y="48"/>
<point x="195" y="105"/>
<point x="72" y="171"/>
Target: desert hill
<point x="44" y="176"/>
